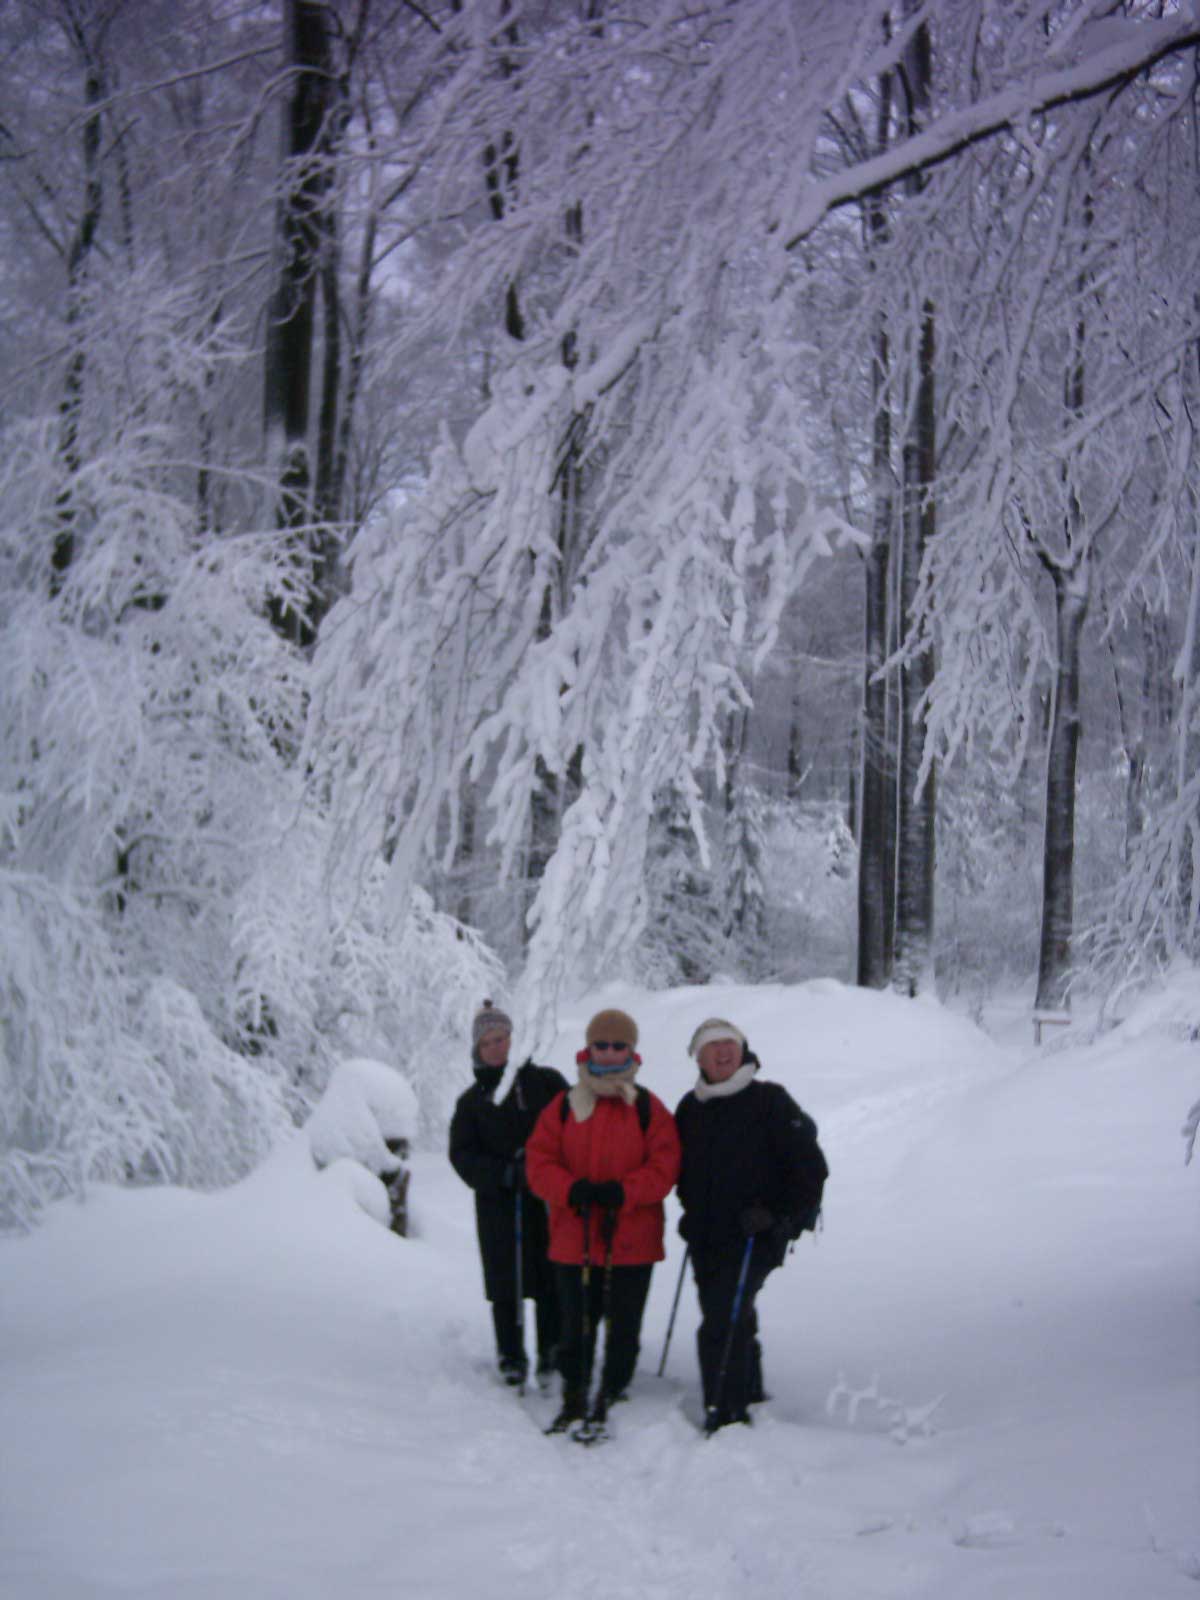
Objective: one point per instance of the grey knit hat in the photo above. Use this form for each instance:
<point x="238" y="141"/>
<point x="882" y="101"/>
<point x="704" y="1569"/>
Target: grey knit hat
<point x="489" y="1019"/>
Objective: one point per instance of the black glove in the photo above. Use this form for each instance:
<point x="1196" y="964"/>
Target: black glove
<point x="755" y="1219"/>
<point x="610" y="1195"/>
<point x="581" y="1194"/>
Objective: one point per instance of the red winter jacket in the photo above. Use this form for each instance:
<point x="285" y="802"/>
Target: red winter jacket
<point x="610" y="1144"/>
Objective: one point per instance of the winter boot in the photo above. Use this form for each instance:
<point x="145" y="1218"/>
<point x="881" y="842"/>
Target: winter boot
<point x="574" y="1409"/>
<point x="725" y="1418"/>
<point x="513" y="1372"/>
<point x="546" y="1368"/>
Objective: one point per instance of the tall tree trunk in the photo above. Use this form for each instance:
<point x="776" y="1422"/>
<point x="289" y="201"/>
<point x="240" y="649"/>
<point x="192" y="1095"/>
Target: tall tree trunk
<point x="876" y="807"/>
<point x="1071" y="594"/>
<point x="1071" y="577"/>
<point x="1185" y="879"/>
<point x="350" y="502"/>
<point x="291" y="317"/>
<point x="70" y="408"/>
<point x="876" y="803"/>
<point x="917" y="799"/>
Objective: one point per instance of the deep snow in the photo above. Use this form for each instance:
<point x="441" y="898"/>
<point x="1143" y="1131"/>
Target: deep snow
<point x="985" y="1369"/>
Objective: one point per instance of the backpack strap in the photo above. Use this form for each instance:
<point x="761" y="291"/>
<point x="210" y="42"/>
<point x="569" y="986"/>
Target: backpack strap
<point x="643" y="1109"/>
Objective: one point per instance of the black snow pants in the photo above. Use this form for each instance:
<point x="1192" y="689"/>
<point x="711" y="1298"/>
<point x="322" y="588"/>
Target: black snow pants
<point x="629" y="1288"/>
<point x="509" y="1325"/>
<point x="716" y="1284"/>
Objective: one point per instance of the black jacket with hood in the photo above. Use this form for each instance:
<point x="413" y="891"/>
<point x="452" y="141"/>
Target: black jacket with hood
<point x="485" y="1139"/>
<point x="753" y="1147"/>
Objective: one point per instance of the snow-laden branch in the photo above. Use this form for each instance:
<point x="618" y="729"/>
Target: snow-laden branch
<point x="1109" y="67"/>
<point x="446" y="663"/>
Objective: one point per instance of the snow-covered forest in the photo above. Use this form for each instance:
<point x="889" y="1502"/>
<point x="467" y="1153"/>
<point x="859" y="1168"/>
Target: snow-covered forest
<point x="512" y="495"/>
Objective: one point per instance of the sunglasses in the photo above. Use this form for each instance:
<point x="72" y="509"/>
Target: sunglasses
<point x="609" y="1044"/>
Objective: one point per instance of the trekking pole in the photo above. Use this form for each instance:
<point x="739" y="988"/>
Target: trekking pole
<point x="674" y="1308"/>
<point x="520" y="1276"/>
<point x="586" y="1353"/>
<point x="711" y="1422"/>
<point x="598" y="1414"/>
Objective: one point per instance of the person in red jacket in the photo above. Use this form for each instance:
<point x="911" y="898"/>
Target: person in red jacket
<point x="603" y="1156"/>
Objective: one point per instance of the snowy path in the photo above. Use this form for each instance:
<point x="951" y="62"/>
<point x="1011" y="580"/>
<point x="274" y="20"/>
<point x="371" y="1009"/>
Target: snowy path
<point x="262" y="1394"/>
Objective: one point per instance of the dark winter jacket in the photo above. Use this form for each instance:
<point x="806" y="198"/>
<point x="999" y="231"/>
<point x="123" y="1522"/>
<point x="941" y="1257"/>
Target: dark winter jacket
<point x="485" y="1143"/>
<point x="609" y="1144"/>
<point x="755" y="1147"/>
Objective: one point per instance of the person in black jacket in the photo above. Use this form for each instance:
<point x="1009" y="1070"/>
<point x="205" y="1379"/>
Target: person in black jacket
<point x="751" y="1181"/>
<point x="487" y="1148"/>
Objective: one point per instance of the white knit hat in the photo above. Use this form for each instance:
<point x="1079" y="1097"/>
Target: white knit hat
<point x="712" y="1029"/>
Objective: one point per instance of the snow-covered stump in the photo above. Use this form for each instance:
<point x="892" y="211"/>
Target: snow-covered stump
<point x="396" y="1184"/>
<point x="368" y="1116"/>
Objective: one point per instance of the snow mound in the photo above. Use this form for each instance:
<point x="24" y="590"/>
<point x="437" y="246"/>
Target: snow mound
<point x="1172" y="1010"/>
<point x="365" y="1104"/>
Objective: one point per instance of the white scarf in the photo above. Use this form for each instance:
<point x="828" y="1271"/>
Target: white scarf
<point x="734" y="1085"/>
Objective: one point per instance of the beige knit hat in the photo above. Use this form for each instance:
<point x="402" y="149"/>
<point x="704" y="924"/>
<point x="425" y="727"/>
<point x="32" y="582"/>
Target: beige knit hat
<point x="712" y="1029"/>
<point x="614" y="1026"/>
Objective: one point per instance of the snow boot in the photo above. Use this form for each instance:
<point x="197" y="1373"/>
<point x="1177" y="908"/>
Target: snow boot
<point x="715" y="1420"/>
<point x="547" y="1366"/>
<point x="573" y="1409"/>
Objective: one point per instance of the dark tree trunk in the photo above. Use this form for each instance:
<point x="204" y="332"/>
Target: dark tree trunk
<point x="327" y="498"/>
<point x="291" y="317"/>
<point x="917" y="801"/>
<point x="1071" y="577"/>
<point x="876" y="804"/>
<point x="464" y="851"/>
<point x="501" y="172"/>
<point x="1071" y="593"/>
<point x="78" y="256"/>
<point x="876" y="807"/>
<point x="795" y="750"/>
<point x="352" y="502"/>
<point x="325" y="495"/>
<point x="1184" y="933"/>
<point x="734" y="741"/>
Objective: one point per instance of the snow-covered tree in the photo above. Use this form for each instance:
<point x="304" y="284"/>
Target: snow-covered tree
<point x="654" y="314"/>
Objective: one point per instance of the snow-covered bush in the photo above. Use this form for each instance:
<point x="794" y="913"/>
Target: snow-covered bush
<point x="107" y="1077"/>
<point x="1168" y="1007"/>
<point x="179" y="969"/>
